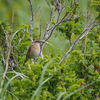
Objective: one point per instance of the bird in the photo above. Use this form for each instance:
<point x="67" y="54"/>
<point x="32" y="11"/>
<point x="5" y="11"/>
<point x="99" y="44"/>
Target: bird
<point x="33" y="50"/>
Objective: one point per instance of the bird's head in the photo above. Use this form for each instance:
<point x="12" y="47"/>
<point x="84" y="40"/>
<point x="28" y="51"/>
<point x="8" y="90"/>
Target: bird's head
<point x="37" y="41"/>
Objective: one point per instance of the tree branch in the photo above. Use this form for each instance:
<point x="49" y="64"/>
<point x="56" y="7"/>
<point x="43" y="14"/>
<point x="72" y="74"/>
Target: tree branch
<point x="31" y="19"/>
<point x="77" y="40"/>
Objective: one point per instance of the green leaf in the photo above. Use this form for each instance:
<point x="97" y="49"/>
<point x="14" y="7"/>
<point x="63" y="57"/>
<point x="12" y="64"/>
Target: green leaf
<point x="7" y="84"/>
<point x="59" y="97"/>
<point x="38" y="90"/>
<point x="91" y="68"/>
<point x="15" y="33"/>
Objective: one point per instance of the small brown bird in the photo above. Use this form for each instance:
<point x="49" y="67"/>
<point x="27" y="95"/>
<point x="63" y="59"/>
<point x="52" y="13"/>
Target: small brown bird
<point x="33" y="50"/>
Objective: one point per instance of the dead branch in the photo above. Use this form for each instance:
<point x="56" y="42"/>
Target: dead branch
<point x="64" y="18"/>
<point x="6" y="68"/>
<point x="21" y="39"/>
<point x="16" y="73"/>
<point x="2" y="57"/>
<point x="77" y="40"/>
<point x="31" y="19"/>
<point x="5" y="36"/>
<point x="37" y="19"/>
<point x="90" y="26"/>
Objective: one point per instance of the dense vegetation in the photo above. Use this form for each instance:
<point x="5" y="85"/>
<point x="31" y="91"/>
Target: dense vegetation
<point x="70" y="66"/>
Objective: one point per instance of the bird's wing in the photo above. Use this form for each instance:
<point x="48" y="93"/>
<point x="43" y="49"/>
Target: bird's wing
<point x="27" y="55"/>
<point x="28" y="52"/>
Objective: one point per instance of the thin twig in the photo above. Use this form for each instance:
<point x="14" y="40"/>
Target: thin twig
<point x="64" y="5"/>
<point x="37" y="19"/>
<point x="36" y="10"/>
<point x="40" y="33"/>
<point x="2" y="57"/>
<point x="73" y="3"/>
<point x="45" y="33"/>
<point x="56" y="5"/>
<point x="16" y="73"/>
<point x="51" y="20"/>
<point x="5" y="36"/>
<point x="16" y="61"/>
<point x="51" y="10"/>
<point x="49" y="6"/>
<point x="21" y="39"/>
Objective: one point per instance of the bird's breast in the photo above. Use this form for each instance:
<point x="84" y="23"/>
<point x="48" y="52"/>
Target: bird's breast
<point x="35" y="50"/>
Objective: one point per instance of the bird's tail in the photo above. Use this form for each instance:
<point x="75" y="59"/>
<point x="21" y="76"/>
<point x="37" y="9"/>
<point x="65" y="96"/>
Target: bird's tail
<point x="24" y="62"/>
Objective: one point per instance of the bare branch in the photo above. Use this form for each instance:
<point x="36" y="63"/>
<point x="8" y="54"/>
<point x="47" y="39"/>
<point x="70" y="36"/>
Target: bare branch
<point x="89" y="30"/>
<point x="43" y="44"/>
<point x="51" y="20"/>
<point x="16" y="73"/>
<point x="74" y="18"/>
<point x="91" y="18"/>
<point x="45" y="32"/>
<point x="31" y="10"/>
<point x="56" y="5"/>
<point x="66" y="20"/>
<point x="59" y="3"/>
<point x="15" y="61"/>
<point x="49" y="6"/>
<point x="57" y="23"/>
<point x="36" y="10"/>
<point x="21" y="39"/>
<point x="55" y="26"/>
<point x="7" y="59"/>
<point x="89" y="24"/>
<point x="5" y="36"/>
<point x="64" y="5"/>
<point x="40" y="33"/>
<point x="6" y="66"/>
<point x="37" y="19"/>
<point x="77" y="40"/>
<point x="2" y="56"/>
<point x="73" y="3"/>
<point x="31" y="19"/>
